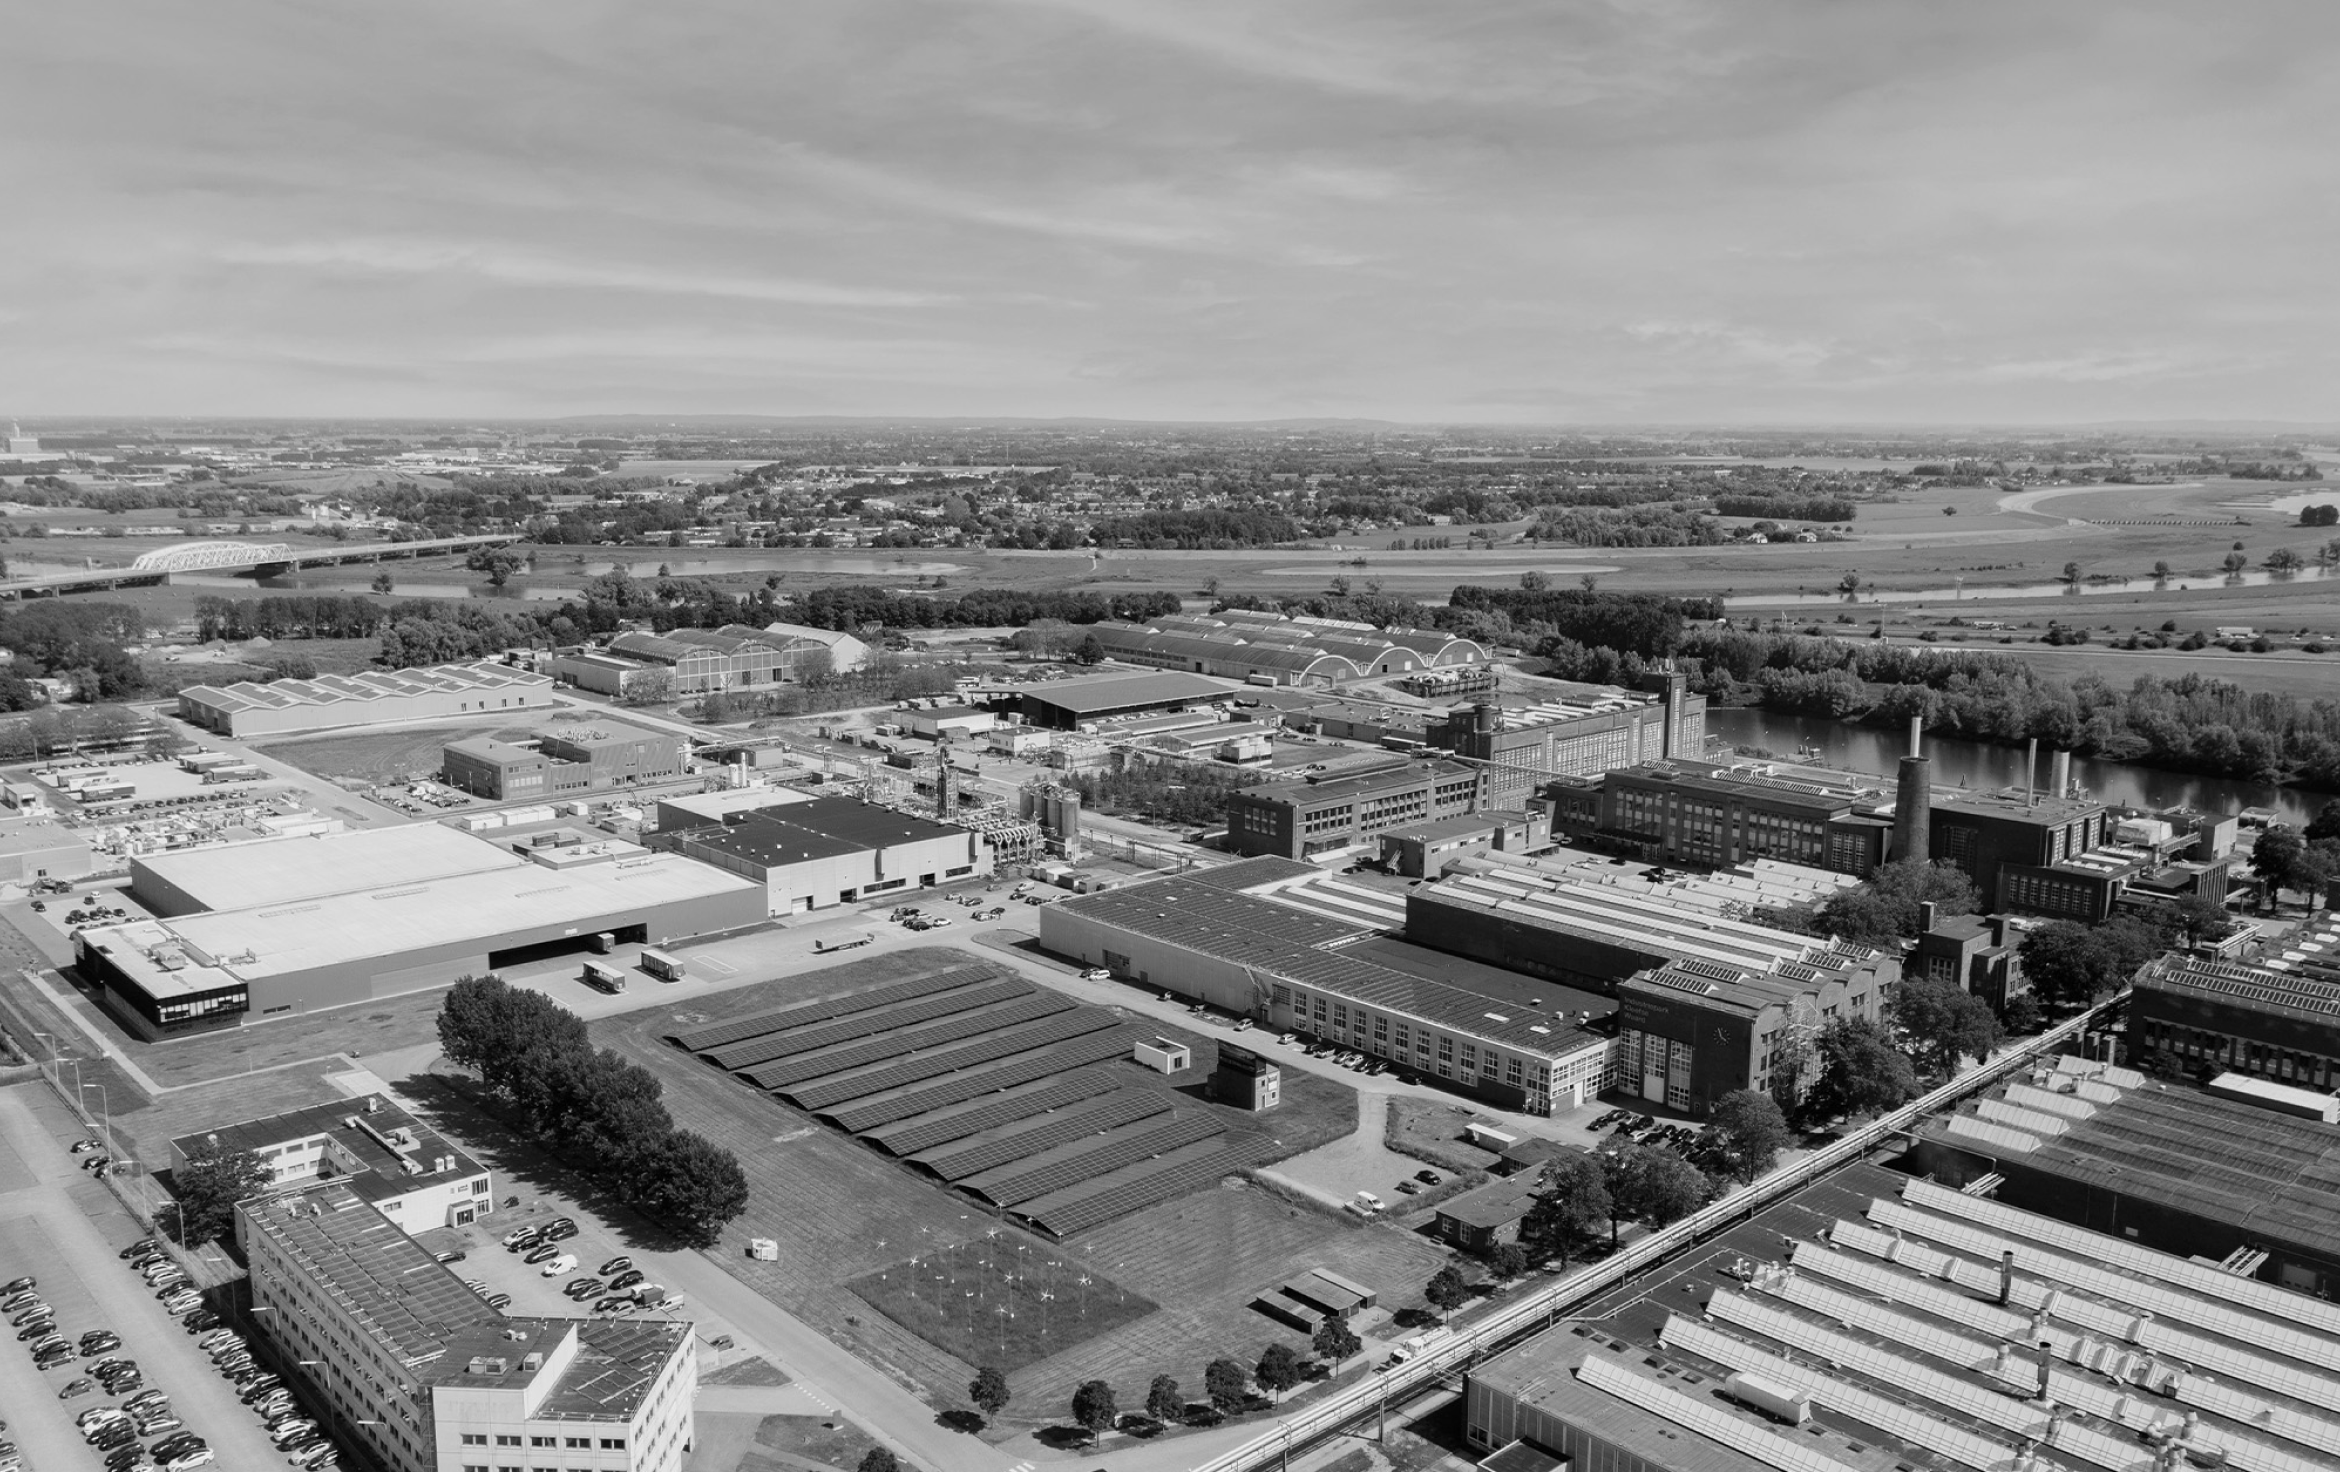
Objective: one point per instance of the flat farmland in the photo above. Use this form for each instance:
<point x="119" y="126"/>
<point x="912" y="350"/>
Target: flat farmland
<point x="845" y="1213"/>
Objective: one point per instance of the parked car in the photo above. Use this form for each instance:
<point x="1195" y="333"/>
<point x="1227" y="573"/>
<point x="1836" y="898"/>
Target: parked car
<point x="1096" y="973"/>
<point x="15" y="1286"/>
<point x="499" y="1300"/>
<point x="626" y="1279"/>
<point x="559" y="1267"/>
<point x="201" y="1320"/>
<point x="585" y="1288"/>
<point x="98" y="1341"/>
<point x="615" y="1266"/>
<point x="457" y="1255"/>
<point x="559" y="1228"/>
<point x="82" y="1386"/>
<point x="545" y="1253"/>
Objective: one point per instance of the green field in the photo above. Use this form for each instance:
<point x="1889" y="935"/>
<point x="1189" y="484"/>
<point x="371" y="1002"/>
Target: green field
<point x="1002" y="1305"/>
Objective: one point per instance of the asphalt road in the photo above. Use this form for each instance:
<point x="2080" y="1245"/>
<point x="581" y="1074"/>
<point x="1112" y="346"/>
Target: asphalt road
<point x="63" y="1228"/>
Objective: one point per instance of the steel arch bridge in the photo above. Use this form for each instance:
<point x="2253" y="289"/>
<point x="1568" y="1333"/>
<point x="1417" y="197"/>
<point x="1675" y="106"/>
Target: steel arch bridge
<point x="197" y="556"/>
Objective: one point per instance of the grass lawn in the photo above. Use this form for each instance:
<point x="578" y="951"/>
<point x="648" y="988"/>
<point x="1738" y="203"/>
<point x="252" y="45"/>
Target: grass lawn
<point x="374" y="757"/>
<point x="1433" y="1132"/>
<point x="149" y="1131"/>
<point x="994" y="1301"/>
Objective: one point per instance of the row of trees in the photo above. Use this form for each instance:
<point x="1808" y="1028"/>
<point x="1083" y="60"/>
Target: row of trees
<point x="591" y="1106"/>
<point x="1228" y="1386"/>
<point x="287" y="616"/>
<point x="1184" y="793"/>
<point x="980" y="608"/>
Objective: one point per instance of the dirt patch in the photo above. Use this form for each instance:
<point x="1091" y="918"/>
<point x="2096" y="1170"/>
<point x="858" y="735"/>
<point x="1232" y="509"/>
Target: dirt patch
<point x="754" y="1370"/>
<point x="1434" y="1132"/>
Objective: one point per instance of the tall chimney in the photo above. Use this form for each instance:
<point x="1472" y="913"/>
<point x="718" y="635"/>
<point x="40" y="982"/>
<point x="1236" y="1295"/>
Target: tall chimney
<point x="2063" y="770"/>
<point x="2006" y="1277"/>
<point x="1913" y="799"/>
<point x="2031" y="772"/>
<point x="2045" y="1352"/>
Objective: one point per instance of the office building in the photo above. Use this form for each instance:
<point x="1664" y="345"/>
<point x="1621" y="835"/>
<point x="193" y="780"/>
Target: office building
<point x="1422" y="849"/>
<point x="2025" y="852"/>
<point x="809" y="855"/>
<point x="1349" y="808"/>
<point x="1091" y="702"/>
<point x="399" y="1166"/>
<point x="388" y="928"/>
<point x="368" y="698"/>
<point x="1220" y="936"/>
<point x="423" y="1375"/>
<point x="2241" y="1171"/>
<point x="1905" y="1325"/>
<point x="1694" y="812"/>
<point x="1975" y="953"/>
<point x="1691" y="1031"/>
<point x="569" y="762"/>
<point x="1581" y="731"/>
<point x="2274" y="1017"/>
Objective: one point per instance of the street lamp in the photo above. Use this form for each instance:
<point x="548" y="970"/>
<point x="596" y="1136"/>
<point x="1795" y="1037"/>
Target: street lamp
<point x="105" y="1109"/>
<point x="53" y="1055"/>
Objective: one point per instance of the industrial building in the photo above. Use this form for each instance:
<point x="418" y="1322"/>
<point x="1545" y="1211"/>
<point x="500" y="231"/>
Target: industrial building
<point x="1689" y="1032"/>
<point x="809" y="855"/>
<point x="426" y="1377"/>
<point x="399" y="1166"/>
<point x="1081" y="704"/>
<point x="269" y="872"/>
<point x="1347" y="809"/>
<point x="563" y="763"/>
<point x="1422" y="849"/>
<point x="368" y="698"/>
<point x="2242" y="1172"/>
<point x="1574" y="927"/>
<point x="1581" y="731"/>
<point x="1975" y="953"/>
<point x="846" y="653"/>
<point x="1685" y="811"/>
<point x="696" y="661"/>
<point x="388" y="928"/>
<point x="1220" y="936"/>
<point x="1903" y="1326"/>
<point x="1273" y="649"/>
<point x="2275" y="1017"/>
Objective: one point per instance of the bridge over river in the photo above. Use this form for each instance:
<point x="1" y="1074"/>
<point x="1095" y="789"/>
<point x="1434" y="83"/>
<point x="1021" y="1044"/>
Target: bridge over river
<point x="263" y="559"/>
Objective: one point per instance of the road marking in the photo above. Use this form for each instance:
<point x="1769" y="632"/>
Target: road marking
<point x="720" y="968"/>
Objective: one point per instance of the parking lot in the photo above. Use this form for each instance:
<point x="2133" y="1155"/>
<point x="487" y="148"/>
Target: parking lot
<point x="64" y="1229"/>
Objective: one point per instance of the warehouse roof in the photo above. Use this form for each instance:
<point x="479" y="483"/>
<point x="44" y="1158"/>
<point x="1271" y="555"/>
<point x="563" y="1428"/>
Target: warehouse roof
<point x="275" y="871"/>
<point x="1102" y="693"/>
<point x="1496" y="1204"/>
<point x="824" y="827"/>
<point x="413" y="1306"/>
<point x="482" y="675"/>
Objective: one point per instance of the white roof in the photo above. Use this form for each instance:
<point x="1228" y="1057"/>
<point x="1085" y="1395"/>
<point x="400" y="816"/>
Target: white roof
<point x="275" y="871"/>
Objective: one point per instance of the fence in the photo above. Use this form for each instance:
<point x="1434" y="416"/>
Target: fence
<point x="1532" y="1314"/>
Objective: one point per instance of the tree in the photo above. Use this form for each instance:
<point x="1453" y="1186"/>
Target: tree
<point x="2074" y="964"/>
<point x="2283" y="562"/>
<point x="1573" y="1204"/>
<point x="1861" y="1071"/>
<point x="718" y="708"/>
<point x="1226" y="1384"/>
<point x="1164" y="1402"/>
<point x="1534" y="582"/>
<point x="1447" y="1291"/>
<point x="1746" y="1130"/>
<point x="1335" y="1341"/>
<point x="2283" y="859"/>
<point x="694" y="1186"/>
<point x="989" y="1391"/>
<point x="2071" y="572"/>
<point x="1093" y="1408"/>
<point x="209" y="1188"/>
<point x="2325" y="824"/>
<point x="1508" y="1260"/>
<point x="649" y="685"/>
<point x="1653" y="1185"/>
<point x="383" y="583"/>
<point x="1278" y="1371"/>
<point x="878" y="1459"/>
<point x="2197" y="918"/>
<point x="2161" y="572"/>
<point x="2021" y="1016"/>
<point x="1091" y="649"/>
<point x="1942" y="1023"/>
<point x="497" y="564"/>
<point x="1885" y="910"/>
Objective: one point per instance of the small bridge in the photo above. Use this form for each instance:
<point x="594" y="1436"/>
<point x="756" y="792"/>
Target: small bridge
<point x="262" y="559"/>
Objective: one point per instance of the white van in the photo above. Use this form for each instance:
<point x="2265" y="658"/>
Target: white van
<point x="1366" y="1204"/>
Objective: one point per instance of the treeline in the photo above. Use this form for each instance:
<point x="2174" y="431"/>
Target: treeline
<point x="1173" y="792"/>
<point x="1636" y="526"/>
<point x="1647" y="624"/>
<point x="982" y="608"/>
<point x="2190" y="723"/>
<point x="881" y="682"/>
<point x="78" y="639"/>
<point x="292" y="616"/>
<point x="1786" y="508"/>
<point x="1205" y="530"/>
<point x="590" y="1106"/>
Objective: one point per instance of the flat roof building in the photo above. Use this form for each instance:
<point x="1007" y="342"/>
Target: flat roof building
<point x="429" y="1378"/>
<point x="1067" y="705"/>
<point x="2275" y="1017"/>
<point x="1689" y="1032"/>
<point x="1336" y="812"/>
<point x="697" y="661"/>
<point x="265" y="872"/>
<point x="219" y="968"/>
<point x="1218" y="936"/>
<point x="563" y="762"/>
<point x="1580" y="731"/>
<point x="370" y="697"/>
<point x="1683" y="811"/>
<point x="832" y="851"/>
<point x="1273" y="649"/>
<point x="401" y="1167"/>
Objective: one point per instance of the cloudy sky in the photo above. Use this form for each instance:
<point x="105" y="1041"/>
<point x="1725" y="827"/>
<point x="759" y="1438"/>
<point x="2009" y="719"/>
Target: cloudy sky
<point x="1530" y="211"/>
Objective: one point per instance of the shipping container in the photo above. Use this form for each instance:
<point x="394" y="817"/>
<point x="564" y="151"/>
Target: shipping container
<point x="662" y="965"/>
<point x="606" y="978"/>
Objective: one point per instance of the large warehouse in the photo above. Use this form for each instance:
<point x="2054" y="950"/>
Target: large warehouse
<point x="809" y="854"/>
<point x="284" y="871"/>
<point x="389" y="925"/>
<point x="363" y="699"/>
<point x="1068" y="705"/>
<point x="1220" y="936"/>
<point x="563" y="763"/>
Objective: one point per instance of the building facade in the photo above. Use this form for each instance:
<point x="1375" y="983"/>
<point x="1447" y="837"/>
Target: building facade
<point x="406" y="1171"/>
<point x="1699" y="813"/>
<point x="1691" y="1031"/>
<point x="1591" y="730"/>
<point x="810" y="855"/>
<point x="364" y="699"/>
<point x="2277" y="1017"/>
<point x="564" y="763"/>
<point x="1338" y="812"/>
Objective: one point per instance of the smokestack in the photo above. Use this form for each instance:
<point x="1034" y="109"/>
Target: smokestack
<point x="2045" y="1349"/>
<point x="1917" y="735"/>
<point x="2031" y="772"/>
<point x="1913" y="801"/>
<point x="2063" y="770"/>
<point x="2006" y="1278"/>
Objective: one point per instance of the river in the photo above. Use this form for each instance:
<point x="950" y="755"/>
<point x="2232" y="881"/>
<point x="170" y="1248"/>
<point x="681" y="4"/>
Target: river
<point x="1984" y="767"/>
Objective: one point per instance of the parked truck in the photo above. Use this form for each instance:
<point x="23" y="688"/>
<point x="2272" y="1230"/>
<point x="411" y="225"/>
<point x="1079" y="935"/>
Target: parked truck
<point x="606" y="978"/>
<point x="829" y="943"/>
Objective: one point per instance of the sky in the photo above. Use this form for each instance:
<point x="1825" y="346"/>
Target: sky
<point x="1567" y="212"/>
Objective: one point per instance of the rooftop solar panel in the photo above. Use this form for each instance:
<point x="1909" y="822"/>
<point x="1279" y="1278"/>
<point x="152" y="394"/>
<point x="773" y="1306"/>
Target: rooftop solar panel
<point x="922" y="1132"/>
<point x="764" y="1049"/>
<point x="717" y="1034"/>
<point x="972" y="1156"/>
<point x="1739" y="1433"/>
<point x="1098" y="1037"/>
<point x="1148" y="1140"/>
<point x="782" y="1073"/>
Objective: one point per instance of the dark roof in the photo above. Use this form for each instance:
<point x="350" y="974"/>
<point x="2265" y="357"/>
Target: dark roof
<point x="822" y="828"/>
<point x="387" y="1173"/>
<point x="616" y="1364"/>
<point x="1126" y="692"/>
<point x="1496" y="1204"/>
<point x="415" y="1306"/>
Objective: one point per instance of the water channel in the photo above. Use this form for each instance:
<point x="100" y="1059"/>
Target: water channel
<point x="1984" y="767"/>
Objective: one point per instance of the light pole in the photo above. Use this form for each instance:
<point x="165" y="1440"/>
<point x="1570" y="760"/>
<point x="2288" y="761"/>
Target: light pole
<point x="105" y="1110"/>
<point x="53" y="1056"/>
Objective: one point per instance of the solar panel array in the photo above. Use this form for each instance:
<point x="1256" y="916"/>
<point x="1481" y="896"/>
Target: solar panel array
<point x="1739" y="1433"/>
<point x="1065" y="1213"/>
<point x="716" y="1034"/>
<point x="1025" y="1180"/>
<point x="964" y="1158"/>
<point x="845" y="1029"/>
<point x="1096" y="1047"/>
<point x="783" y="1073"/>
<point x="822" y="1094"/>
<point x="910" y="1136"/>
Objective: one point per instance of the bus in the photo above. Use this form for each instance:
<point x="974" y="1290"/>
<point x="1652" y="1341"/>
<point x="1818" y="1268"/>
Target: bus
<point x="607" y="978"/>
<point x="662" y="965"/>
